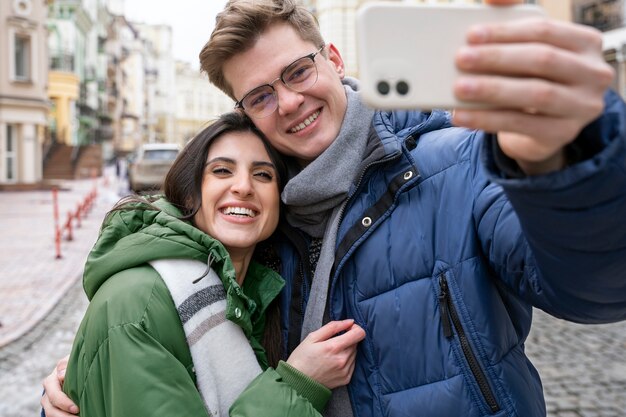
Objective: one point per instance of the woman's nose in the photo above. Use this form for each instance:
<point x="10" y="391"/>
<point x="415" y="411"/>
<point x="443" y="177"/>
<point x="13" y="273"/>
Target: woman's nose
<point x="242" y="185"/>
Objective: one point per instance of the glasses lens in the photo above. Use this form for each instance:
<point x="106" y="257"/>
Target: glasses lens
<point x="260" y="102"/>
<point x="300" y="75"/>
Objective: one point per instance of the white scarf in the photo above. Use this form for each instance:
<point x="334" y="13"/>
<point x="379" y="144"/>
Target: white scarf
<point x="223" y="359"/>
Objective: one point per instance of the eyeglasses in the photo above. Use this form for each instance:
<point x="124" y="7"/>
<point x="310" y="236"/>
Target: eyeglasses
<point x="298" y="76"/>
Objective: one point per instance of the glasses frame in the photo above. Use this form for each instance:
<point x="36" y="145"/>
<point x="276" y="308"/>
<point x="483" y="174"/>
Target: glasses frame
<point x="311" y="56"/>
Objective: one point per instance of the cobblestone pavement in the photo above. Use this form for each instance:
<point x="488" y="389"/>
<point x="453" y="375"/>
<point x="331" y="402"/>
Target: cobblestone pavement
<point x="41" y="297"/>
<point x="583" y="367"/>
<point x="25" y="362"/>
<point x="32" y="279"/>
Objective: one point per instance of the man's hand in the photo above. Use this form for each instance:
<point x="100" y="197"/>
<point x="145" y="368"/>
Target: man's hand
<point x="545" y="80"/>
<point x="326" y="357"/>
<point x="54" y="401"/>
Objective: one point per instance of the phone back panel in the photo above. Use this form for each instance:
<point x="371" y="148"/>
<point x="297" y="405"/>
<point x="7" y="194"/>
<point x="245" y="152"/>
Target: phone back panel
<point x="406" y="51"/>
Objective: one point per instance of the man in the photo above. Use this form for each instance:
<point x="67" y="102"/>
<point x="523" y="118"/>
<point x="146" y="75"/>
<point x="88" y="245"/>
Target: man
<point x="439" y="240"/>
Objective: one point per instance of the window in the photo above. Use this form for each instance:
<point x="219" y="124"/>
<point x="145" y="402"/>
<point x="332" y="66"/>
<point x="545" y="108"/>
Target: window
<point x="10" y="147"/>
<point x="22" y="58"/>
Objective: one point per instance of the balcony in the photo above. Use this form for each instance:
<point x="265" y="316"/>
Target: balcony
<point x="62" y="62"/>
<point x="602" y="14"/>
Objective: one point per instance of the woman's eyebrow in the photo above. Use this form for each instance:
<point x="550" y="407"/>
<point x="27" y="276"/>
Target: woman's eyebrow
<point x="220" y="159"/>
<point x="232" y="161"/>
<point x="263" y="163"/>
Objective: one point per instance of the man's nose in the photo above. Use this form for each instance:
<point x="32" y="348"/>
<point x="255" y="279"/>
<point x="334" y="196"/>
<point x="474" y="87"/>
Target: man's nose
<point x="288" y="100"/>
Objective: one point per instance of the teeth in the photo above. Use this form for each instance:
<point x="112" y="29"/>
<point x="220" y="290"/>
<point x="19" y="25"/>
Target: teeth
<point x="306" y="122"/>
<point x="239" y="211"/>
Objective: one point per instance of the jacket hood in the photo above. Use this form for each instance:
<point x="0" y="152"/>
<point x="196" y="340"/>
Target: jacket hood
<point x="395" y="125"/>
<point x="132" y="237"/>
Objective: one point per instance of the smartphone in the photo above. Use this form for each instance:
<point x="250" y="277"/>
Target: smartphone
<point x="406" y="52"/>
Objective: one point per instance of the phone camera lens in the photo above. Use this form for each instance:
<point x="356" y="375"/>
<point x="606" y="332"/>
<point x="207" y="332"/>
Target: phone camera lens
<point x="402" y="87"/>
<point x="383" y="87"/>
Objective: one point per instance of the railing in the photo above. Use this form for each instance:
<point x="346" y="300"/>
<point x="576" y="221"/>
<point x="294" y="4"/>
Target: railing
<point x="48" y="146"/>
<point x="62" y="62"/>
<point x="73" y="219"/>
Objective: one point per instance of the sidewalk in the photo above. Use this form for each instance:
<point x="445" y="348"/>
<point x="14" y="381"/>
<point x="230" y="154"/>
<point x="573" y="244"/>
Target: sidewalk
<point x="32" y="280"/>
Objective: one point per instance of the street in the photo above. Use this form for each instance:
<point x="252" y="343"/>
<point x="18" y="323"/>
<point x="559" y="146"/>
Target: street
<point x="25" y="362"/>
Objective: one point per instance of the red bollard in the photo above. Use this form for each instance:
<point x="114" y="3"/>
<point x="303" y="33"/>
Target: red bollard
<point x="68" y="226"/>
<point x="57" y="243"/>
<point x="87" y="205"/>
<point x="78" y="214"/>
<point x="57" y="231"/>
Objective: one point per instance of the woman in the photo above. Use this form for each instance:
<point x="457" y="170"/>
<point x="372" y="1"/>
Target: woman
<point x="189" y="259"/>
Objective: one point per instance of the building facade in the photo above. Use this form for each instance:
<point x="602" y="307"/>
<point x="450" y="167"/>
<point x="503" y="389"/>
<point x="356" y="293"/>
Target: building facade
<point x="198" y="102"/>
<point x="23" y="96"/>
<point x="72" y="71"/>
<point x="163" y="80"/>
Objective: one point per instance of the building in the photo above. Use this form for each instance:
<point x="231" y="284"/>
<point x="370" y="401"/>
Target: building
<point x="604" y="15"/>
<point x="72" y="82"/>
<point x="23" y="97"/>
<point x="561" y="9"/>
<point x="132" y="88"/>
<point x="610" y="17"/>
<point x="163" y="81"/>
<point x="197" y="102"/>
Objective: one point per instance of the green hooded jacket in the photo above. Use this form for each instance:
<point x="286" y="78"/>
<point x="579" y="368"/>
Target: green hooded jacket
<point x="130" y="356"/>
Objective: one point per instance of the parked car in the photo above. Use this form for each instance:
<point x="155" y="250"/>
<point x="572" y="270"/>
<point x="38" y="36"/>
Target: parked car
<point x="149" y="165"/>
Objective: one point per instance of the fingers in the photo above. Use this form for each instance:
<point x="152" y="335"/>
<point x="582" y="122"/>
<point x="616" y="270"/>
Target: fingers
<point x="51" y="410"/>
<point x="564" y="35"/>
<point x="327" y="355"/>
<point x="539" y="80"/>
<point x="60" y="369"/>
<point x="328" y="333"/>
<point x="533" y="60"/>
<point x="350" y="338"/>
<point x="532" y="96"/>
<point x="54" y="401"/>
<point x="330" y="329"/>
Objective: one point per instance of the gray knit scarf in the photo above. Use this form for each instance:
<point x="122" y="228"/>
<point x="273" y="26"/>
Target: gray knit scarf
<point x="315" y="197"/>
<point x="322" y="185"/>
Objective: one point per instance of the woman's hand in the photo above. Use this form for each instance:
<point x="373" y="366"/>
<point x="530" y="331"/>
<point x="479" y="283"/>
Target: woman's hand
<point x="327" y="357"/>
<point x="54" y="401"/>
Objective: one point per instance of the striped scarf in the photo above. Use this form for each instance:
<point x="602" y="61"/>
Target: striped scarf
<point x="224" y="362"/>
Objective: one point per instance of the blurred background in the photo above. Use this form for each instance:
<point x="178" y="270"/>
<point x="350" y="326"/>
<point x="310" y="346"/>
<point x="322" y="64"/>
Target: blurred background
<point x="96" y="99"/>
<point x="83" y="82"/>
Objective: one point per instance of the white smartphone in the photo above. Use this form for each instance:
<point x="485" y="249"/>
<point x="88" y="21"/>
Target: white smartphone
<point x="406" y="51"/>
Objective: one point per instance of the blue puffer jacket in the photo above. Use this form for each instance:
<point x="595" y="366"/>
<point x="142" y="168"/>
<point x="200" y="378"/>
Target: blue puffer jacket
<point x="441" y="259"/>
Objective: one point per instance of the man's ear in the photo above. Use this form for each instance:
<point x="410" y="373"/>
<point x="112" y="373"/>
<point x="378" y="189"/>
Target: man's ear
<point x="334" y="57"/>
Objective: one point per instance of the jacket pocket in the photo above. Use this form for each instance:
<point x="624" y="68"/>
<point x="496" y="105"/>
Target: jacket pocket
<point x="451" y="323"/>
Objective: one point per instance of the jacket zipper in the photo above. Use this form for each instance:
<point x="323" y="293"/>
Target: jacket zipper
<point x="333" y="271"/>
<point x="450" y="318"/>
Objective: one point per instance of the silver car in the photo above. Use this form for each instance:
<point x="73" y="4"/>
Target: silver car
<point x="150" y="165"/>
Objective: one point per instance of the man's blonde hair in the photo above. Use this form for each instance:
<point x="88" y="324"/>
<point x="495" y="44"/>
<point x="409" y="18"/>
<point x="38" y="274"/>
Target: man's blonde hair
<point x="240" y="25"/>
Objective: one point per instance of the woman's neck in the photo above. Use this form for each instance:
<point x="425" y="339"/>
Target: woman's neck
<point x="241" y="261"/>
